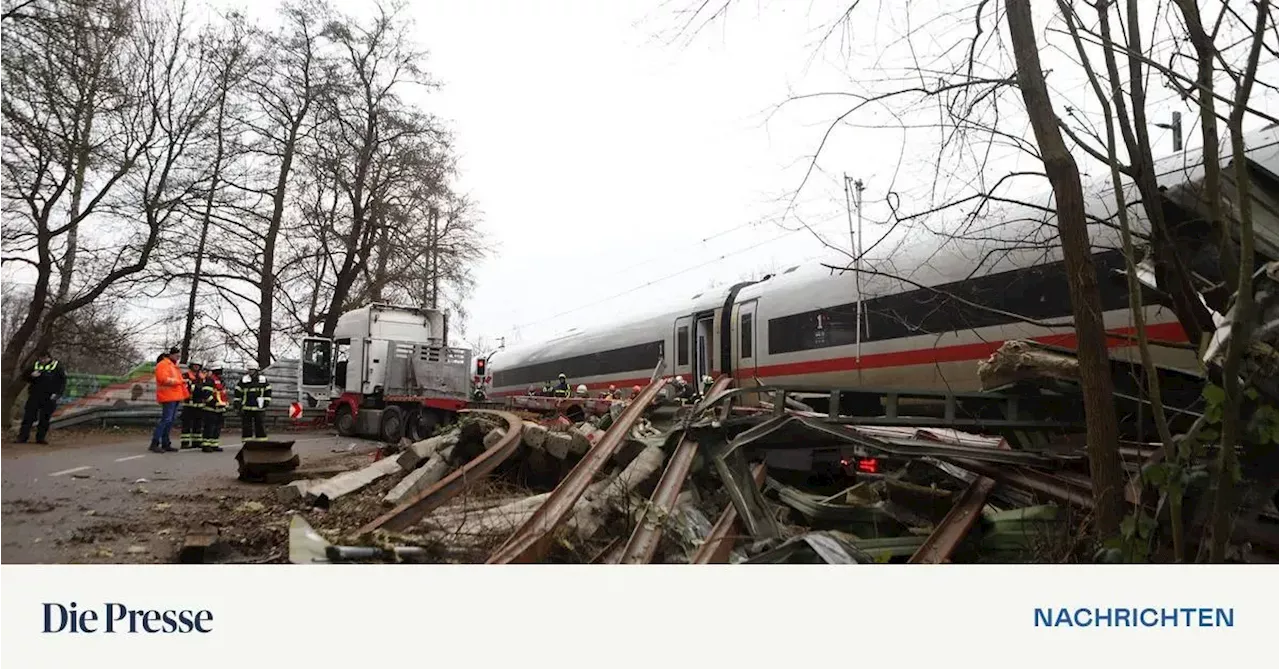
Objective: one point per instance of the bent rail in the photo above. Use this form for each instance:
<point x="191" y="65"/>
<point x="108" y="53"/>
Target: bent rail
<point x="530" y="542"/>
<point x="411" y="511"/>
<point x="720" y="541"/>
<point x="648" y="533"/>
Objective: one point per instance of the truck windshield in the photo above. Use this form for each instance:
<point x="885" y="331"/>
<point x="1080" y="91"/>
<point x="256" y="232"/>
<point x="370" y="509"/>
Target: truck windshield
<point x="317" y="356"/>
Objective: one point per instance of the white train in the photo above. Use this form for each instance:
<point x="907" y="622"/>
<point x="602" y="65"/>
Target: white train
<point x="811" y="326"/>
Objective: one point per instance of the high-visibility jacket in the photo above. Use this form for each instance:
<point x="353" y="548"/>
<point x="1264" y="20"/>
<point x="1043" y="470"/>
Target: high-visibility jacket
<point x="213" y="395"/>
<point x="46" y="378"/>
<point x="561" y="389"/>
<point x="253" y="393"/>
<point x="195" y="389"/>
<point x="170" y="385"/>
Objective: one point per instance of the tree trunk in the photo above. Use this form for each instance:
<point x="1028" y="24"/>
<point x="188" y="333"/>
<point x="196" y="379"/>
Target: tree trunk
<point x="219" y="150"/>
<point x="267" y="279"/>
<point x="1242" y="320"/>
<point x="1086" y="304"/>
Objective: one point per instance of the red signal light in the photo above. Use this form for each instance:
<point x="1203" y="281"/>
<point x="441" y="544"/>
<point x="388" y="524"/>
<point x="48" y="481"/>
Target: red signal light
<point x="868" y="465"/>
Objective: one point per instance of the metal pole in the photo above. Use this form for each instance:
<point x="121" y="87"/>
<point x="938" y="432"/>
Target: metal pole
<point x="1177" y="131"/>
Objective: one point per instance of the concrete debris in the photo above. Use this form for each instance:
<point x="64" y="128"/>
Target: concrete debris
<point x="886" y="491"/>
<point x="421" y="478"/>
<point x="344" y="484"/>
<point x="419" y="452"/>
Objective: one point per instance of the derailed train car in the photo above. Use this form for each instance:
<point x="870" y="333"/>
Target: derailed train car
<point x="919" y="315"/>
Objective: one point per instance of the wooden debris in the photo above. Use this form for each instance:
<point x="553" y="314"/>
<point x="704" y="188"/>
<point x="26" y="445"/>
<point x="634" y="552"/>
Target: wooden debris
<point x="1019" y="360"/>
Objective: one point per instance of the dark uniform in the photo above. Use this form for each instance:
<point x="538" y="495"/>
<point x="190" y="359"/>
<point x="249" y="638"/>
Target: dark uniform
<point x="215" y="408"/>
<point x="193" y="408"/>
<point x="47" y="381"/>
<point x="684" y="392"/>
<point x="253" y="396"/>
<point x="561" y="388"/>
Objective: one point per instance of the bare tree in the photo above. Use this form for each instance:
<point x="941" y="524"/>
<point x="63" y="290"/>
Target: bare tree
<point x="102" y="98"/>
<point x="1102" y="433"/>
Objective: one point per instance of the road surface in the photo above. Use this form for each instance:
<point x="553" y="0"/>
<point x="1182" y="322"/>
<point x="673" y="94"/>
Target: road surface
<point x="118" y="502"/>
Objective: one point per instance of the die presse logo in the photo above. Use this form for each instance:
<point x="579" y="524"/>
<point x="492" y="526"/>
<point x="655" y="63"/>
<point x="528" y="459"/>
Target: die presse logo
<point x="115" y="618"/>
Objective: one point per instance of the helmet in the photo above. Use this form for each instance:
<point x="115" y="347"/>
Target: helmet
<point x="561" y="376"/>
<point x="635" y="390"/>
<point x="680" y="380"/>
<point x="612" y="388"/>
<point x="582" y="388"/>
<point x="216" y="366"/>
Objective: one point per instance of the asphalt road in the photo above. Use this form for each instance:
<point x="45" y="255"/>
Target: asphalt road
<point x="56" y="500"/>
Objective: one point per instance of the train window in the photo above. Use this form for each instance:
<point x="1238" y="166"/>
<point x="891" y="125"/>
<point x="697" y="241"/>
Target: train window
<point x="744" y="330"/>
<point x="682" y="345"/>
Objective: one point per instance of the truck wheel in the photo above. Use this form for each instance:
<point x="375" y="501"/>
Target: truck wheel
<point x="344" y="421"/>
<point x="420" y="424"/>
<point x="392" y="425"/>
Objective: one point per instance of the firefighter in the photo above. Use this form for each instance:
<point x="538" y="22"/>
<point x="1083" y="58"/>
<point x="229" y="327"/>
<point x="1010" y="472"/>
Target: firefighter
<point x="635" y="392"/>
<point x="684" y="391"/>
<point x="707" y="382"/>
<point x="215" y="409"/>
<point x="47" y="380"/>
<point x="192" y="408"/>
<point x="581" y="391"/>
<point x="253" y="395"/>
<point x="561" y="388"/>
<point x="533" y="390"/>
<point x="546" y="389"/>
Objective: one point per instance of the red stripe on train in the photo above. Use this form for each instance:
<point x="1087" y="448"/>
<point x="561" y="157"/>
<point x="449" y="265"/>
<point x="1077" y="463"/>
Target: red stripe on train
<point x="1172" y="332"/>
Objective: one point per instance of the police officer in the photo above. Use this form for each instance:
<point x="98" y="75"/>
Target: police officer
<point x="561" y="388"/>
<point x="253" y="395"/>
<point x="215" y="408"/>
<point x="46" y="382"/>
<point x="193" y="407"/>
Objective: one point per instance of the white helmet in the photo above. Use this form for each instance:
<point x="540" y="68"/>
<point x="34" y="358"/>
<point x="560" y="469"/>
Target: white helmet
<point x="680" y="380"/>
<point x="582" y="388"/>
<point x="708" y="379"/>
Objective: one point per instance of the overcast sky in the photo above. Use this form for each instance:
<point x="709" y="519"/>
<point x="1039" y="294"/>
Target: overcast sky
<point x="617" y="170"/>
<point x="603" y="155"/>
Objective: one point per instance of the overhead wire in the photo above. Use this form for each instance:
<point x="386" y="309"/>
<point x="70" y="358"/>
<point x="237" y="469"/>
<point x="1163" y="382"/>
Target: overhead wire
<point x="663" y="278"/>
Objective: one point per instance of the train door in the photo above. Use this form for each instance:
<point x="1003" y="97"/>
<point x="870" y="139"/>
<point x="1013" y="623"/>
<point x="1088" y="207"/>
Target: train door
<point x="745" y="367"/>
<point x="702" y="347"/>
<point x="683" y="342"/>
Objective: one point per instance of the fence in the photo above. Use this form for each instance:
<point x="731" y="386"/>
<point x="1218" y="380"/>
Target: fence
<point x="130" y="399"/>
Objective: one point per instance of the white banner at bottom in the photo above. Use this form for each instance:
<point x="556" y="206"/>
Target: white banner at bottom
<point x="651" y="617"/>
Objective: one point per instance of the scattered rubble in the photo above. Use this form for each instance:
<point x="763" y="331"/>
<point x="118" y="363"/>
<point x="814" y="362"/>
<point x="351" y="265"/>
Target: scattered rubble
<point x="650" y="480"/>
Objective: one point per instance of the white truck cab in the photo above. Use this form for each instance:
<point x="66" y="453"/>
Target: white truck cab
<point x="388" y="371"/>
